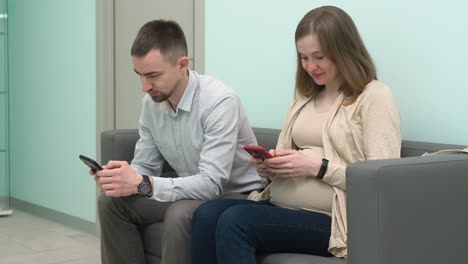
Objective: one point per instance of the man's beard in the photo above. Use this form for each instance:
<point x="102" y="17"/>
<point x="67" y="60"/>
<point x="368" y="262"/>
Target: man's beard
<point x="160" y="98"/>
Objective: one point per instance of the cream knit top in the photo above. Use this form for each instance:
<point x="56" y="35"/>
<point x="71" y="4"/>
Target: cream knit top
<point x="365" y="130"/>
<point x="308" y="193"/>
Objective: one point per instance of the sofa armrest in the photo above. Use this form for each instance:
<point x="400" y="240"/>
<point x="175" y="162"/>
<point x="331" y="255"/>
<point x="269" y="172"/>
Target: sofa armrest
<point x="409" y="210"/>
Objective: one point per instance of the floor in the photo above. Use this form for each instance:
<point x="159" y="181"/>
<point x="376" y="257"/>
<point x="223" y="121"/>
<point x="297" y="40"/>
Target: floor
<point x="25" y="238"/>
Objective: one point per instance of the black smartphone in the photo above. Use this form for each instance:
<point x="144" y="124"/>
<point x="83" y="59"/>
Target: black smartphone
<point x="92" y="164"/>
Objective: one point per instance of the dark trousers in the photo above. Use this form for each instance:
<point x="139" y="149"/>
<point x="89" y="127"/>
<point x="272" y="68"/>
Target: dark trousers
<point x="122" y="217"/>
<point x="232" y="231"/>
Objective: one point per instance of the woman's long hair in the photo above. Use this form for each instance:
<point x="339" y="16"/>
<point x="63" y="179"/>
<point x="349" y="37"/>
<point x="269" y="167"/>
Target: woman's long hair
<point x="339" y="42"/>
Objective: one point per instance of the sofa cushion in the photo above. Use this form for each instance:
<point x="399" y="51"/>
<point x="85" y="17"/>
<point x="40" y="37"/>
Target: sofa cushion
<point x="282" y="258"/>
<point x="150" y="259"/>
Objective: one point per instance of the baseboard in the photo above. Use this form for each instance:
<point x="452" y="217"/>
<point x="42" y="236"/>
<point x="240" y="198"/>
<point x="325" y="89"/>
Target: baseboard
<point x="5" y="212"/>
<point x="56" y="216"/>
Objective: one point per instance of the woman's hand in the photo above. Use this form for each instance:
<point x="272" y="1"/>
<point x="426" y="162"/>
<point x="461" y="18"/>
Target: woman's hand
<point x="292" y="163"/>
<point x="262" y="169"/>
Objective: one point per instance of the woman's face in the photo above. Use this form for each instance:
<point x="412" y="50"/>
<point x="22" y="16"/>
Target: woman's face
<point x="320" y="68"/>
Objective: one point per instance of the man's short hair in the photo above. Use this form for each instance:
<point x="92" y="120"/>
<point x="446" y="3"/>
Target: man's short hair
<point x="164" y="35"/>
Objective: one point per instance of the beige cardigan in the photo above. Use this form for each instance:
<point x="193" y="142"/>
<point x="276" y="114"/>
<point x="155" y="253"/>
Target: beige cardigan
<point x="365" y="130"/>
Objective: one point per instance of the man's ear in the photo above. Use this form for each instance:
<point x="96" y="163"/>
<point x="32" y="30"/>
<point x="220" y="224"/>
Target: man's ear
<point x="183" y="63"/>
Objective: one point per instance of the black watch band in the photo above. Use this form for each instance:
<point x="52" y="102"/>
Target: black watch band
<point x="145" y="188"/>
<point x="323" y="169"/>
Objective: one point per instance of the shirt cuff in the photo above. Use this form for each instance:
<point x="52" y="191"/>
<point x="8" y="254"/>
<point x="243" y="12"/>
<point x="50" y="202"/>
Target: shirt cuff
<point x="163" y="189"/>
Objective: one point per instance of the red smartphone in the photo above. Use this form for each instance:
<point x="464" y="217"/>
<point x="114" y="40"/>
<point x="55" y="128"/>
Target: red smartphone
<point x="258" y="152"/>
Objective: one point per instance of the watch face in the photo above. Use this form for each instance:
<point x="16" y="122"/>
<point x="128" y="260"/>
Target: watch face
<point x="144" y="188"/>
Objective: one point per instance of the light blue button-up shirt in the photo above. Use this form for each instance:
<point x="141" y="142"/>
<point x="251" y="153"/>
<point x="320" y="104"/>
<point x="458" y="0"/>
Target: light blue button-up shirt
<point x="202" y="141"/>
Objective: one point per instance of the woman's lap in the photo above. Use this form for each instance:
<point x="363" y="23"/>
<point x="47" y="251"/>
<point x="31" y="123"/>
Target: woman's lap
<point x="273" y="229"/>
<point x="235" y="226"/>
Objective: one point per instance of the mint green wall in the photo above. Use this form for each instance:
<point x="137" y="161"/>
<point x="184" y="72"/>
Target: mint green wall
<point x="53" y="103"/>
<point x="419" y="48"/>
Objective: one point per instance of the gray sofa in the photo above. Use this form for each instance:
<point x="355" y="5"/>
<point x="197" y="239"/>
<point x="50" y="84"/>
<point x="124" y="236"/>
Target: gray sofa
<point x="408" y="210"/>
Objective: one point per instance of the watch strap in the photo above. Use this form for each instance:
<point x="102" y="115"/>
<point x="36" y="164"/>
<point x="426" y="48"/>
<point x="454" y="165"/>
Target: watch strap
<point x="323" y="169"/>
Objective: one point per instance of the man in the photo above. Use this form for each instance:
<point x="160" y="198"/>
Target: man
<point x="198" y="126"/>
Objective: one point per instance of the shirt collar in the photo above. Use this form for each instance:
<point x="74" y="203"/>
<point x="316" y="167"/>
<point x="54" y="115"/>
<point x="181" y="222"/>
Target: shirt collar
<point x="186" y="101"/>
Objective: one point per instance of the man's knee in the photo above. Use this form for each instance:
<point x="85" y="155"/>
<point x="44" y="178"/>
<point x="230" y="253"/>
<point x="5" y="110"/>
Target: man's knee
<point x="107" y="205"/>
<point x="103" y="201"/>
<point x="179" y="214"/>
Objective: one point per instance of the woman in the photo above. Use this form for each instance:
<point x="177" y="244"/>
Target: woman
<point x="340" y="114"/>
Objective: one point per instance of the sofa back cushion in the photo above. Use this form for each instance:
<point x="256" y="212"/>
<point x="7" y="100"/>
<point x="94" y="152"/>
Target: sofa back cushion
<point x="266" y="137"/>
<point x="120" y="144"/>
<point x="417" y="148"/>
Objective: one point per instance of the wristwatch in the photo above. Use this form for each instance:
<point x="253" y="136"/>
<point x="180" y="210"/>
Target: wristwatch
<point x="145" y="189"/>
<point x="323" y="169"/>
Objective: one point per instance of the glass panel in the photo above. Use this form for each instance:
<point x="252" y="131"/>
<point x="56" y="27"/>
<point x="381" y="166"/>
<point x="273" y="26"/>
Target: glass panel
<point x="4" y="184"/>
<point x="3" y="125"/>
<point x="3" y="15"/>
<point x="4" y="180"/>
<point x="3" y="63"/>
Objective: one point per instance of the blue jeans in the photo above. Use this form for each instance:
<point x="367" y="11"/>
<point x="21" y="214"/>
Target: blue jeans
<point x="232" y="231"/>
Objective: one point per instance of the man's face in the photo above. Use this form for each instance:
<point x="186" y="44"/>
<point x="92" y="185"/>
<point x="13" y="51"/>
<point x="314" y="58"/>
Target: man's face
<point x="159" y="77"/>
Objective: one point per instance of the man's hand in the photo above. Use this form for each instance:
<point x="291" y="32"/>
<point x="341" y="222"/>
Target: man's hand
<point x="292" y="163"/>
<point x="117" y="179"/>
